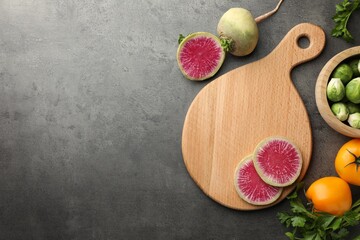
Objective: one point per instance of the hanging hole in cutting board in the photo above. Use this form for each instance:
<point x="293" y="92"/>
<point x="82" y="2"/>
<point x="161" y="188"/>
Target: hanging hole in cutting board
<point x="303" y="41"/>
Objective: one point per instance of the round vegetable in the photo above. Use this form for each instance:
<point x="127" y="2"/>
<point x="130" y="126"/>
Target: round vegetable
<point x="238" y="30"/>
<point x="340" y="111"/>
<point x="331" y="195"/>
<point x="200" y="55"/>
<point x="344" y="72"/>
<point x="353" y="108"/>
<point x="250" y="187"/>
<point x="347" y="162"/>
<point x="352" y="90"/>
<point x="354" y="120"/>
<point x="335" y="90"/>
<point x="278" y="161"/>
<point x="354" y="64"/>
<point x="238" y="26"/>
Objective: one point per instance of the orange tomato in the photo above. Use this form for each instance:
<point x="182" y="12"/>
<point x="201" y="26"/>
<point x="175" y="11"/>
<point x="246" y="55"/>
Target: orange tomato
<point x="331" y="195"/>
<point x="347" y="162"/>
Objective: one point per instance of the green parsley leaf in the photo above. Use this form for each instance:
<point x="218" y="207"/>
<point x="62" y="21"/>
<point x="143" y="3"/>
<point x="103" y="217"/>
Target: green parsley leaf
<point x="324" y="221"/>
<point x="310" y="235"/>
<point x="297" y="207"/>
<point x="290" y="235"/>
<point x="294" y="194"/>
<point x="298" y="221"/>
<point x="342" y="15"/>
<point x="284" y="218"/>
<point x="335" y="225"/>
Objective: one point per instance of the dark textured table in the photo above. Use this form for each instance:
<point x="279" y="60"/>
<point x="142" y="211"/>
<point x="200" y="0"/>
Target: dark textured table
<point x="92" y="109"/>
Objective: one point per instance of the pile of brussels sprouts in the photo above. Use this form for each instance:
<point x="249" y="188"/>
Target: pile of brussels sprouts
<point x="343" y="92"/>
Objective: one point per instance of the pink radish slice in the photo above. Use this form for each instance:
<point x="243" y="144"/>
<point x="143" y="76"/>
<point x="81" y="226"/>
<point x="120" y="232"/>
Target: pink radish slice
<point x="200" y="56"/>
<point x="250" y="187"/>
<point x="278" y="161"/>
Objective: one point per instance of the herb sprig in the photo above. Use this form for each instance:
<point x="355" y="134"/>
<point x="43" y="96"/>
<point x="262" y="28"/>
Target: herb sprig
<point x="309" y="225"/>
<point x="343" y="12"/>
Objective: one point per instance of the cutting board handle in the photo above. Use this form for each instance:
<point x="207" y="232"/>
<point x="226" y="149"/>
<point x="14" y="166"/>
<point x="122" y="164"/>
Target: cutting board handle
<point x="290" y="44"/>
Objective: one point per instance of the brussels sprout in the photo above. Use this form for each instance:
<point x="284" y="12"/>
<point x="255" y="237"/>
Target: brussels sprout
<point x="335" y="90"/>
<point x="354" y="64"/>
<point x="352" y="107"/>
<point x="340" y="111"/>
<point x="344" y="72"/>
<point x="352" y="90"/>
<point x="354" y="120"/>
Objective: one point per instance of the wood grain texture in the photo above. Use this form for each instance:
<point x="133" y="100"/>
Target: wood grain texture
<point x="233" y="113"/>
<point x="320" y="93"/>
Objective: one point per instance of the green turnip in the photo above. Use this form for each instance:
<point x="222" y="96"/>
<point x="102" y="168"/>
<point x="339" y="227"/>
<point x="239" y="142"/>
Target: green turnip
<point x="238" y="30"/>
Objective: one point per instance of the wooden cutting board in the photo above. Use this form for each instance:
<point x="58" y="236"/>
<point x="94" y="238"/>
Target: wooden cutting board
<point x="233" y="113"/>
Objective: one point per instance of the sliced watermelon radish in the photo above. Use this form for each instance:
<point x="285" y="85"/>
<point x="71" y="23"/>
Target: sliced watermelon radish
<point x="250" y="187"/>
<point x="278" y="161"/>
<point x="200" y="55"/>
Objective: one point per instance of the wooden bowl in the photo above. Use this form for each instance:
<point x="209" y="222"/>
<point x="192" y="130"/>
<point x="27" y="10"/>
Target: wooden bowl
<point x="321" y="98"/>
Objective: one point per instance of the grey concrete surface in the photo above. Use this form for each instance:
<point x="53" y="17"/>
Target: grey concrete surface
<point x="92" y="105"/>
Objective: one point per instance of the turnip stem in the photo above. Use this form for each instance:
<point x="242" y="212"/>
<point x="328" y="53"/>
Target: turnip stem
<point x="266" y="15"/>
